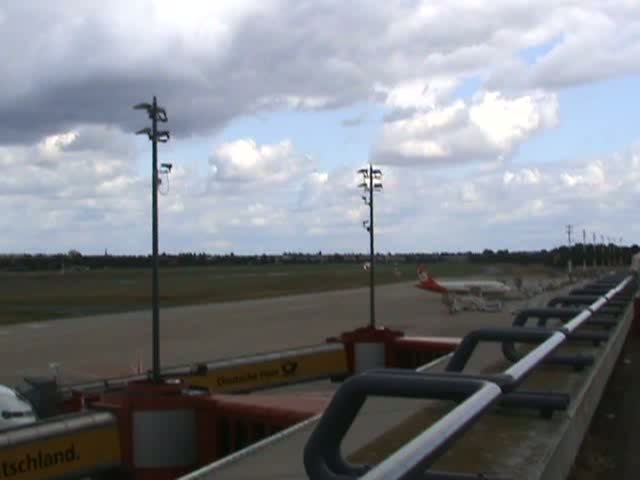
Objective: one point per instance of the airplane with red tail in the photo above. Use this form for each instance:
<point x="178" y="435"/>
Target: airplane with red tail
<point x="491" y="288"/>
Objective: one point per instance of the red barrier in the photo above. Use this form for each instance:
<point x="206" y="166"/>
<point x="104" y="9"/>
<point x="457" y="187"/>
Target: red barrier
<point x="396" y="350"/>
<point x="192" y="430"/>
<point x="244" y="420"/>
<point x="413" y="352"/>
<point x="366" y="336"/>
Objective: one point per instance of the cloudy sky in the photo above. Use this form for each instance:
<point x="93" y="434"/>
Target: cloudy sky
<point x="495" y="122"/>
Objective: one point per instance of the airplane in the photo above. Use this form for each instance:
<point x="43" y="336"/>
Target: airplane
<point x="491" y="288"/>
<point x="15" y="410"/>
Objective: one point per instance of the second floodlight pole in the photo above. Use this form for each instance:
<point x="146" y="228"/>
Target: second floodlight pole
<point x="372" y="259"/>
<point x="156" y="114"/>
<point x="371" y="183"/>
<point x="155" y="280"/>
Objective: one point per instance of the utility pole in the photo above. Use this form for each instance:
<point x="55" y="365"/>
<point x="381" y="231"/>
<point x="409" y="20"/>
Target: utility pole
<point x="371" y="182"/>
<point x="570" y="265"/>
<point x="595" y="253"/>
<point x="604" y="253"/>
<point x="156" y="114"/>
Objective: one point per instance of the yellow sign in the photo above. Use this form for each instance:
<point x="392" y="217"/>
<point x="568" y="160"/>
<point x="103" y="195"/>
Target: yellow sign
<point x="58" y="456"/>
<point x="272" y="372"/>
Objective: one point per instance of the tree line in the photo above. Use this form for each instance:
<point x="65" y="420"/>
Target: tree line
<point x="558" y="257"/>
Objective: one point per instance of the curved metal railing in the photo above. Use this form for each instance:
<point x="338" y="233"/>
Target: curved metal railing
<point x="476" y="393"/>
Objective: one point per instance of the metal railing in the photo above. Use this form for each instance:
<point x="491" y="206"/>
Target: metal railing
<point x="476" y="393"/>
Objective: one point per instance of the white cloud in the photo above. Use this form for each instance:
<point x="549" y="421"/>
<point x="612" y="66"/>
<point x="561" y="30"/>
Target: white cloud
<point x="55" y="166"/>
<point x="528" y="211"/>
<point x="117" y="185"/>
<point x="469" y="194"/>
<point x="418" y="93"/>
<point x="526" y="176"/>
<point x="294" y="102"/>
<point x="58" y="196"/>
<point x="509" y="121"/>
<point x="592" y="176"/>
<point x="319" y="178"/>
<point x="54" y="144"/>
<point x="608" y="31"/>
<point x="487" y="129"/>
<point x="244" y="161"/>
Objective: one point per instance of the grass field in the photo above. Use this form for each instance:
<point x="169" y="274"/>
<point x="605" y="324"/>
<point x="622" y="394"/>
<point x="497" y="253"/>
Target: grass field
<point x="29" y="297"/>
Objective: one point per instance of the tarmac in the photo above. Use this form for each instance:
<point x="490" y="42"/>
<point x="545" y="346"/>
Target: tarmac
<point x="102" y="346"/>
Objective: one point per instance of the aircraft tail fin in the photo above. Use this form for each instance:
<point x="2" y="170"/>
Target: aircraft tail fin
<point x="427" y="282"/>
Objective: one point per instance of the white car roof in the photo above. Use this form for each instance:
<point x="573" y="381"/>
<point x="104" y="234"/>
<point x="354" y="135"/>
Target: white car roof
<point x="9" y="392"/>
<point x="11" y="402"/>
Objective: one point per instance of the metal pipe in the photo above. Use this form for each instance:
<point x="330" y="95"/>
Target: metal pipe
<point x="522" y="368"/>
<point x="322" y="454"/>
<point x="470" y="341"/>
<point x="578" y="320"/>
<point x="414" y="458"/>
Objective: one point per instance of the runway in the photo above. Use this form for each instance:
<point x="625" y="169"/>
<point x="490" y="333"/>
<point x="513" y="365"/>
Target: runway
<point x="111" y="345"/>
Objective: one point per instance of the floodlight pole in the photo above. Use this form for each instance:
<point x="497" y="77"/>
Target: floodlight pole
<point x="371" y="183"/>
<point x="155" y="114"/>
<point x="372" y="255"/>
<point x="155" y="280"/>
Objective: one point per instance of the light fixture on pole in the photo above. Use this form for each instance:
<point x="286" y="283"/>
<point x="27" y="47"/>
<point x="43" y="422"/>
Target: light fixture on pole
<point x="156" y="114"/>
<point x="371" y="182"/>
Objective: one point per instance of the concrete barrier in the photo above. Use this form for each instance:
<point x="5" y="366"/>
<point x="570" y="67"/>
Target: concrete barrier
<point x="558" y="465"/>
